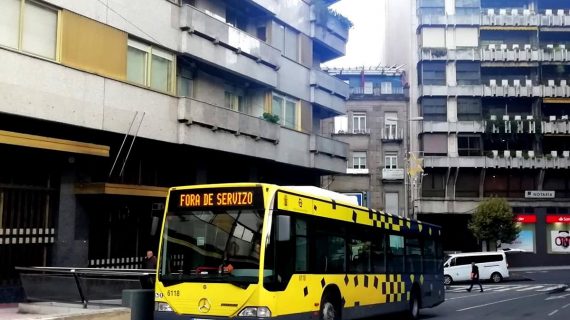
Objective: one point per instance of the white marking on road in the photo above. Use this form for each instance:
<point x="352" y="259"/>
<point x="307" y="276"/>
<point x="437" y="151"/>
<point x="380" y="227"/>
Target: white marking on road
<point x="564" y="307"/>
<point x="530" y="288"/>
<point x="511" y="288"/>
<point x="549" y="288"/>
<point x="558" y="297"/>
<point x="501" y="301"/>
<point x="552" y="313"/>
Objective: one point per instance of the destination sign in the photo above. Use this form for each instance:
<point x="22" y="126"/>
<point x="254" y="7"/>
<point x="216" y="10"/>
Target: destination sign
<point x="210" y="198"/>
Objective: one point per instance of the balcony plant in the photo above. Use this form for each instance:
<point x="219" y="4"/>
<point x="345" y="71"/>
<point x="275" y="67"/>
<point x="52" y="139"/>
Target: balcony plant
<point x="438" y="53"/>
<point x="323" y="13"/>
<point x="273" y="118"/>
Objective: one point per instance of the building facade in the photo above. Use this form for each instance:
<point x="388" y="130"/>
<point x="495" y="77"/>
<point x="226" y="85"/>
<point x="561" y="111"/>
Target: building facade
<point x="375" y="128"/>
<point x="492" y="88"/>
<point x="104" y="105"/>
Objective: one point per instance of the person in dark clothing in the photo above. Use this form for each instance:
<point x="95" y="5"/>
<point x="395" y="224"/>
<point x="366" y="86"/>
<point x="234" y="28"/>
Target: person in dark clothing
<point x="475" y="277"/>
<point x="149" y="261"/>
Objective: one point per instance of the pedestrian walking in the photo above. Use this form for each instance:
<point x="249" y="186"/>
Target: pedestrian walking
<point x="474" y="277"/>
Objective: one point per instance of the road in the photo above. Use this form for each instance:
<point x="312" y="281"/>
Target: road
<point x="529" y="295"/>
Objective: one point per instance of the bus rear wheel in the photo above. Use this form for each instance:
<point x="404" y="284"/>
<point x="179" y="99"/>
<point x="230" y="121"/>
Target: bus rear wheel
<point x="414" y="311"/>
<point x="329" y="308"/>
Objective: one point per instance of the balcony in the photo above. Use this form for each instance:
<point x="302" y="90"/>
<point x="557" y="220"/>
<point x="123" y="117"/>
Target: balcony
<point x="511" y="124"/>
<point x="328" y="91"/>
<point x="473" y="54"/>
<point x="460" y="126"/>
<point x="193" y="111"/>
<point x="513" y="17"/>
<point x="357" y="171"/>
<point x="507" y="88"/>
<point x="514" y="53"/>
<point x="378" y="92"/>
<point x="323" y="145"/>
<point x="270" y="6"/>
<point x="506" y="161"/>
<point x="222" y="45"/>
<point x="556" y="126"/>
<point x="392" y="135"/>
<point x="560" y="18"/>
<point x="467" y="20"/>
<point x="329" y="32"/>
<point x="392" y="174"/>
<point x="444" y="90"/>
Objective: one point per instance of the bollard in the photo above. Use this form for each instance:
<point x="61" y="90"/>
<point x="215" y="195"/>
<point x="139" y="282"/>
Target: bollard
<point x="141" y="302"/>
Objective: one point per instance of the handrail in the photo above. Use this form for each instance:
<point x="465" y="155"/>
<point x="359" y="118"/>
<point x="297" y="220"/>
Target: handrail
<point x="83" y="278"/>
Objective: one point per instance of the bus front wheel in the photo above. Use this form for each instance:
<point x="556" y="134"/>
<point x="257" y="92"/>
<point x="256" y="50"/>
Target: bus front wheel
<point x="414" y="311"/>
<point x="329" y="308"/>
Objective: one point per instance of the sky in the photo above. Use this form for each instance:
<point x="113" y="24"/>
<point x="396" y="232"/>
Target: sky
<point x="365" y="38"/>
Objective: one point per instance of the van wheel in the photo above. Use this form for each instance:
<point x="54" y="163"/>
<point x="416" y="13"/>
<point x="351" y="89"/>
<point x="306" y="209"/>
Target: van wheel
<point x="496" y="277"/>
<point x="329" y="308"/>
<point x="447" y="280"/>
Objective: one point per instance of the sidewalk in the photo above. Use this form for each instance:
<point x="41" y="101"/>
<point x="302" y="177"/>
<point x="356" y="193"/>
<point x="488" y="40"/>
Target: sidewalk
<point x="61" y="311"/>
<point x="540" y="268"/>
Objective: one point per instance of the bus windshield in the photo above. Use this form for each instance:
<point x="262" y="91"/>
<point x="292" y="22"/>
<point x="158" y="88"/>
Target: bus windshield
<point x="216" y="245"/>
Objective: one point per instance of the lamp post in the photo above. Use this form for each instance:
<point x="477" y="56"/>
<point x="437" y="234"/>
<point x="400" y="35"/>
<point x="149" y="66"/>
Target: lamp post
<point x="408" y="194"/>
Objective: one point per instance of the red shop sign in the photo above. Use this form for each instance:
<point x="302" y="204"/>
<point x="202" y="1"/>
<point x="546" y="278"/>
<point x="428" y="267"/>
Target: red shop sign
<point x="558" y="218"/>
<point x="525" y="218"/>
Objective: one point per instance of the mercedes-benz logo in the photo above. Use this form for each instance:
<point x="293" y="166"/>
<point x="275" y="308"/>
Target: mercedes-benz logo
<point x="204" y="305"/>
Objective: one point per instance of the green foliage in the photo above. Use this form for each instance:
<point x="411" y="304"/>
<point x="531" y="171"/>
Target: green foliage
<point x="273" y="118"/>
<point x="494" y="220"/>
<point x="323" y="13"/>
<point x="344" y="21"/>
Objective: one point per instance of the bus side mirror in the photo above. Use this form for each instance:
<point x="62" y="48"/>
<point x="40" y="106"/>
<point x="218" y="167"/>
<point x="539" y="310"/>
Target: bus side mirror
<point x="283" y="228"/>
<point x="154" y="225"/>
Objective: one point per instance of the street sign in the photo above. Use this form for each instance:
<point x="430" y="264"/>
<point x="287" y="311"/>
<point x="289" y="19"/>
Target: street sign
<point x="357" y="195"/>
<point x="539" y="194"/>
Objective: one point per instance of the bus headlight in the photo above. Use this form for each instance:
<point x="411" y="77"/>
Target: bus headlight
<point x="258" y="312"/>
<point x="162" y="307"/>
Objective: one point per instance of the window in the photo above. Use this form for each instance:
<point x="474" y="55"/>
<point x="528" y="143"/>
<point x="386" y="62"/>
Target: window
<point x="359" y="160"/>
<point x="185" y="83"/>
<point x="330" y="251"/>
<point x="469" y="109"/>
<point x="413" y="255"/>
<point x="391" y="160"/>
<point x="391" y="124"/>
<point x="359" y="259"/>
<point x="368" y="87"/>
<point x="433" y="184"/>
<point x="359" y="122"/>
<point x="233" y="97"/>
<point x="341" y="124"/>
<point x="30" y="28"/>
<point x="302" y="246"/>
<point x="286" y="109"/>
<point x="150" y="66"/>
<point x="468" y="73"/>
<point x="395" y="254"/>
<point x="469" y="145"/>
<point x="378" y="254"/>
<point x="435" y="144"/>
<point x="434" y="109"/>
<point x="391" y="203"/>
<point x="433" y="73"/>
<point x="288" y="42"/>
<point x="386" y="87"/>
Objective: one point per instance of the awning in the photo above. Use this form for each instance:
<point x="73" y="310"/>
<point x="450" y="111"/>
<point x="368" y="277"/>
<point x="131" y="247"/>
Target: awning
<point x="121" y="189"/>
<point x="41" y="142"/>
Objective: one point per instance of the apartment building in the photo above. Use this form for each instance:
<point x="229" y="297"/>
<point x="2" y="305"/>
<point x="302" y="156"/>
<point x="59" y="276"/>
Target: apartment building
<point x="492" y="88"/>
<point x="106" y="104"/>
<point x="375" y="128"/>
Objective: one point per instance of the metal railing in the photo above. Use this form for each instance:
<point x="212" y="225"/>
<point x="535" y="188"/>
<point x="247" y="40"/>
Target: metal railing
<point x="82" y="285"/>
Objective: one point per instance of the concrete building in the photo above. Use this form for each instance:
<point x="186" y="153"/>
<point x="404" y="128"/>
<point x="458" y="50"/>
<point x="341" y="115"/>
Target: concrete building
<point x="492" y="87"/>
<point x="375" y="128"/>
<point x="105" y="104"/>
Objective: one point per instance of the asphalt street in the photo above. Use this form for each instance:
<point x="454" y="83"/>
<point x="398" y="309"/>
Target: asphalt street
<point x="532" y="295"/>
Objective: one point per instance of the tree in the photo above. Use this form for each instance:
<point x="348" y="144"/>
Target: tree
<point x="494" y="221"/>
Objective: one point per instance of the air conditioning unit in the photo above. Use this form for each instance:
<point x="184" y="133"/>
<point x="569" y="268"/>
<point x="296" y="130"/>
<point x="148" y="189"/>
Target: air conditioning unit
<point x="490" y="12"/>
<point x="560" y="12"/>
<point x="493" y="82"/>
<point x="495" y="153"/>
<point x="516" y="47"/>
<point x="507" y="153"/>
<point x="563" y="83"/>
<point x="566" y="154"/>
<point x="527" y="47"/>
<point x="562" y="46"/>
<point x="531" y="154"/>
<point x="564" y="117"/>
<point x="493" y="117"/>
<point x="518" y="118"/>
<point x="517" y="82"/>
<point x="506" y="117"/>
<point x="548" y="12"/>
<point x="514" y="12"/>
<point x="549" y="46"/>
<point x="552" y="118"/>
<point x="528" y="83"/>
<point x="518" y="153"/>
<point x="526" y="12"/>
<point x="503" y="12"/>
<point x="503" y="46"/>
<point x="554" y="153"/>
<point x="530" y="118"/>
<point x="551" y="83"/>
<point x="492" y="47"/>
<point x="505" y="82"/>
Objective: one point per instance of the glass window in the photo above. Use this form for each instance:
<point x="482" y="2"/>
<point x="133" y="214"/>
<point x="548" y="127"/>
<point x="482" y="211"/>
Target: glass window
<point x="391" y="160"/>
<point x="391" y="124"/>
<point x="469" y="109"/>
<point x="413" y="255"/>
<point x="341" y="124"/>
<point x="378" y="254"/>
<point x="37" y="31"/>
<point x="435" y="144"/>
<point x="433" y="73"/>
<point x="286" y="109"/>
<point x="395" y="254"/>
<point x="10" y="23"/>
<point x="291" y="48"/>
<point x="469" y="145"/>
<point x="302" y="246"/>
<point x="359" y="122"/>
<point x="386" y="87"/>
<point x="359" y="160"/>
<point x="149" y="66"/>
<point x="392" y="203"/>
<point x="359" y="259"/>
<point x="434" y="109"/>
<point x="468" y="73"/>
<point x="330" y="254"/>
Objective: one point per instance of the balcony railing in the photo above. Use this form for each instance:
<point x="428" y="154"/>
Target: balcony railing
<point x="445" y="90"/>
<point x="392" y="135"/>
<point x="392" y="174"/>
<point x="471" y="20"/>
<point x="197" y="112"/>
<point x="460" y="126"/>
<point x="241" y="42"/>
<point x="331" y="147"/>
<point x="556" y="126"/>
<point x="473" y="54"/>
<point x="332" y="84"/>
<point x="505" y="161"/>
<point x="376" y="91"/>
<point x="357" y="171"/>
<point x="514" y="88"/>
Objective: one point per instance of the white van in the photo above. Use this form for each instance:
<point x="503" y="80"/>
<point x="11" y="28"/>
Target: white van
<point x="492" y="266"/>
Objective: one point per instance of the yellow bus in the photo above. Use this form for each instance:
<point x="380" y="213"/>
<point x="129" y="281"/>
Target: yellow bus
<point x="251" y="250"/>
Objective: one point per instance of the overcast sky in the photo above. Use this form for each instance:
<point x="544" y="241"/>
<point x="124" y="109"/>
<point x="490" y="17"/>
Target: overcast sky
<point x="365" y="37"/>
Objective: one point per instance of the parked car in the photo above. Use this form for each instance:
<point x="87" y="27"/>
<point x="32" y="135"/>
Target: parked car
<point x="492" y="266"/>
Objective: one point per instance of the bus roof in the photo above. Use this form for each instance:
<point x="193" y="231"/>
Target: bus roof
<point x="338" y="197"/>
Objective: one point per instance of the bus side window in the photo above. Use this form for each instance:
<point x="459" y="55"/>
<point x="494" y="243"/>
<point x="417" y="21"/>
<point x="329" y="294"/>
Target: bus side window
<point x="395" y="254"/>
<point x="379" y="254"/>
